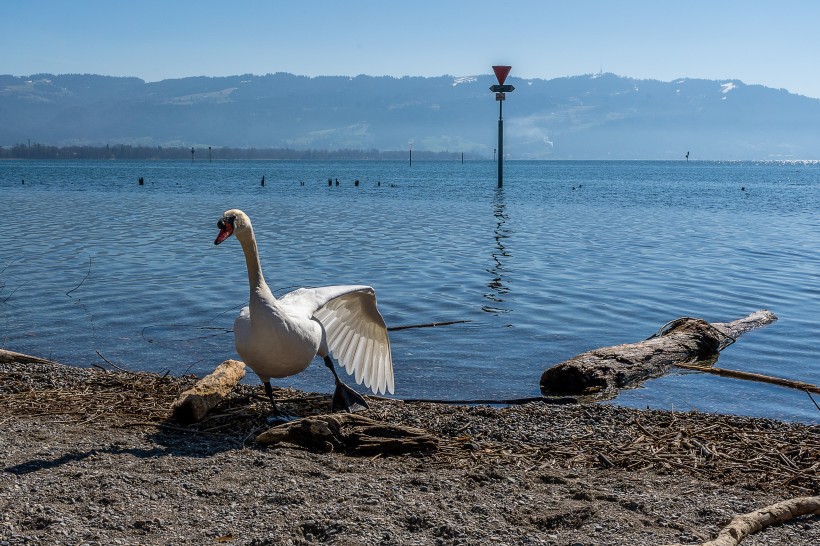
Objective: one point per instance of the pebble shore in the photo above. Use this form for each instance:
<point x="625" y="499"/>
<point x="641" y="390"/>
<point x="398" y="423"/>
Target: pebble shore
<point x="92" y="456"/>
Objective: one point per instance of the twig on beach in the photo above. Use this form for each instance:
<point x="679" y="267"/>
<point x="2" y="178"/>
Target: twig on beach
<point x="110" y="363"/>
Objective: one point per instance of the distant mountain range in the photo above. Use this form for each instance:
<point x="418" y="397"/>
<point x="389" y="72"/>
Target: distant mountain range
<point x="600" y="116"/>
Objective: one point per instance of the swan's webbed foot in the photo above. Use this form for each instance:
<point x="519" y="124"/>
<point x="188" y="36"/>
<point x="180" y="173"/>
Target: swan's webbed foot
<point x="277" y="418"/>
<point x="344" y="398"/>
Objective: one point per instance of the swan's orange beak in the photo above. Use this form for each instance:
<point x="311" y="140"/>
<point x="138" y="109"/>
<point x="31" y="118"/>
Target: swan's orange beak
<point x="225" y="231"/>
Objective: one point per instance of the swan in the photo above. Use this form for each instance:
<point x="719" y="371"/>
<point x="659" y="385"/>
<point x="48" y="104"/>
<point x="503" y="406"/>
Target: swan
<point x="280" y="337"/>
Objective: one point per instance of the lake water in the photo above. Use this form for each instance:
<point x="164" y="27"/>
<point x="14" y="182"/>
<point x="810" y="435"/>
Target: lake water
<point x="567" y="257"/>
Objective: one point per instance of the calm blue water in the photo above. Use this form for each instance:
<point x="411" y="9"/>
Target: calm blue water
<point x="568" y="257"/>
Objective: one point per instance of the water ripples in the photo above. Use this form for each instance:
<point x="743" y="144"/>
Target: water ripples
<point x="568" y="257"/>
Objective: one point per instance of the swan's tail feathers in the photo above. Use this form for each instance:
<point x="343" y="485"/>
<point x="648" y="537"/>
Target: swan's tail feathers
<point x="346" y="399"/>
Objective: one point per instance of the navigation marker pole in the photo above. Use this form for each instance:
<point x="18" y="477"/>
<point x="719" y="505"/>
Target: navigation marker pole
<point x="500" y="91"/>
<point x="500" y="140"/>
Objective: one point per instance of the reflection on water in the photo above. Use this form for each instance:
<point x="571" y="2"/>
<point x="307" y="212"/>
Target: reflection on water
<point x="497" y="286"/>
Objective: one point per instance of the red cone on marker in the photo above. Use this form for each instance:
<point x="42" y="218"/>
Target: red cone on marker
<point x="501" y="73"/>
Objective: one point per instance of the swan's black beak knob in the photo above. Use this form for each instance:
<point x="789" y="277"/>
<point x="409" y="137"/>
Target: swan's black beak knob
<point x="225" y="229"/>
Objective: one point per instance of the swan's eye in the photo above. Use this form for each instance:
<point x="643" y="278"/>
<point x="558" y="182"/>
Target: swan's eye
<point x="221" y="223"/>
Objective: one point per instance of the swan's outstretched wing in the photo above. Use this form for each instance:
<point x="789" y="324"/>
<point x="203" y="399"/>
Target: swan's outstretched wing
<point x="356" y="332"/>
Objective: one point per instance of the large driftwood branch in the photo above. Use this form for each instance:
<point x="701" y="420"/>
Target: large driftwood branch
<point x="195" y="403"/>
<point x="683" y="340"/>
<point x="350" y="433"/>
<point x="745" y="525"/>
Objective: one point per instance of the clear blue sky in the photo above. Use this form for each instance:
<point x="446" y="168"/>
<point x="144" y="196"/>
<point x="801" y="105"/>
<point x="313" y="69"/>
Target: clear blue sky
<point x="774" y="43"/>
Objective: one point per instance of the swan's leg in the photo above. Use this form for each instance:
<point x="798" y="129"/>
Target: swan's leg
<point x="276" y="417"/>
<point x="344" y="398"/>
<point x="269" y="392"/>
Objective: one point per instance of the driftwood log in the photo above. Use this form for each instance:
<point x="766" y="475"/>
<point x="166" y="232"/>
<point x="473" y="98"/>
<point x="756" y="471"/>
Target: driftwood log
<point x="745" y="525"/>
<point x="683" y="340"/>
<point x="7" y="357"/>
<point x="349" y="433"/>
<point x="195" y="403"/>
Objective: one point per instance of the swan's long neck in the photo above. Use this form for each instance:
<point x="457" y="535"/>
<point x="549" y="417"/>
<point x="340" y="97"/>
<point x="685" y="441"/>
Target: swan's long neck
<point x="255" y="278"/>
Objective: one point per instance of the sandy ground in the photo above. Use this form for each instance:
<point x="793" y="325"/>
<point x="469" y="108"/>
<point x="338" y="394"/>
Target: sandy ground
<point x="93" y="457"/>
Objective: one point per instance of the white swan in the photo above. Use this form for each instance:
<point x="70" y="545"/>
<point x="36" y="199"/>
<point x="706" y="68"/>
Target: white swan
<point x="280" y="337"/>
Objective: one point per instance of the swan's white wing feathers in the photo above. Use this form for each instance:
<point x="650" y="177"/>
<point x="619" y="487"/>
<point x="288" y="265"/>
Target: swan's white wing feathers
<point x="355" y="330"/>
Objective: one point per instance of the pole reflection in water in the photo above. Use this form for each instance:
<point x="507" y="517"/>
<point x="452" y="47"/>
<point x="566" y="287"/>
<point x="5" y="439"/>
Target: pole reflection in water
<point x="499" y="255"/>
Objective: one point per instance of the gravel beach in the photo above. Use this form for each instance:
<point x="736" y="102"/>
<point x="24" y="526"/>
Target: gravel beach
<point x="92" y="456"/>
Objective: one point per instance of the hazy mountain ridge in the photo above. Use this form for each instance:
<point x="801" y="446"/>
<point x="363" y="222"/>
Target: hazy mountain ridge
<point x="601" y="116"/>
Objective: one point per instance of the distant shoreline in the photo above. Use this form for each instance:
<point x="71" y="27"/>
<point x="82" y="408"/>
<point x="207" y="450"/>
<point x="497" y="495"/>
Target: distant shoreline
<point x="227" y="154"/>
<point x="213" y="153"/>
